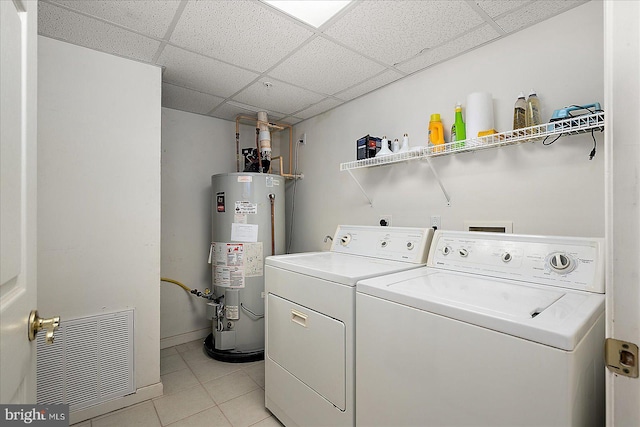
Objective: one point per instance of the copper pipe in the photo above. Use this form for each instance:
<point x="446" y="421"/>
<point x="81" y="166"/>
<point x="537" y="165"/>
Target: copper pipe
<point x="279" y="158"/>
<point x="290" y="149"/>
<point x="278" y="126"/>
<point x="285" y="175"/>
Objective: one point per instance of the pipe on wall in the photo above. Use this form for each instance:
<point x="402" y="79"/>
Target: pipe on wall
<point x="270" y="126"/>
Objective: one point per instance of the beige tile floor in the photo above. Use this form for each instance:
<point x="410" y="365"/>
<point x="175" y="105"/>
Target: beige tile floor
<point x="198" y="391"/>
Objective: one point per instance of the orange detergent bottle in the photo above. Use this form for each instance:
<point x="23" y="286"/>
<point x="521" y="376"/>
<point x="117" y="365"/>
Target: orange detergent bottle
<point x="436" y="133"/>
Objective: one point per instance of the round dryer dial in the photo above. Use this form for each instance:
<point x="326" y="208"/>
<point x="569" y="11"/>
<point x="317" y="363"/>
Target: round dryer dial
<point x="561" y="263"/>
<point x="344" y="240"/>
<point x="385" y="241"/>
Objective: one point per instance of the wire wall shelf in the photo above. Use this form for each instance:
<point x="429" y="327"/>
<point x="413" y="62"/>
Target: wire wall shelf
<point x="570" y="126"/>
<point x="414" y="153"/>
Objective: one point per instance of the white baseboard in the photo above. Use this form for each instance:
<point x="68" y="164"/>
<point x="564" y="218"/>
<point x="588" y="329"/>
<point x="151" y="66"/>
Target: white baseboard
<point x="141" y="395"/>
<point x="184" y="338"/>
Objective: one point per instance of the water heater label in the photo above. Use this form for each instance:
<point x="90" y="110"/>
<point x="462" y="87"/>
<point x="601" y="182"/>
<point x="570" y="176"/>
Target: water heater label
<point x="228" y="270"/>
<point x="244" y="232"/>
<point x="269" y="181"/>
<point x="220" y="201"/>
<point x="245" y="207"/>
<point x="245" y="178"/>
<point x="228" y="277"/>
<point x="253" y="260"/>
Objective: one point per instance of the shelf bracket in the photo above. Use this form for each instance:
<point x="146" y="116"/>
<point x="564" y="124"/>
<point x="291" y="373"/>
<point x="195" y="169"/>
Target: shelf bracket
<point x="435" y="174"/>
<point x="360" y="186"/>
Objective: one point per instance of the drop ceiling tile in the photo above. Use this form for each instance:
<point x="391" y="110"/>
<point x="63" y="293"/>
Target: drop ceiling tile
<point x="372" y="84"/>
<point x="320" y="107"/>
<point x="74" y="28"/>
<point x="230" y="110"/>
<point x="146" y="16"/>
<point x="498" y="7"/>
<point x="272" y="115"/>
<point x="325" y="67"/>
<point x="184" y="99"/>
<point x="393" y="31"/>
<point x="535" y="12"/>
<point x="245" y="33"/>
<point x="451" y="49"/>
<point x="201" y="73"/>
<point x="279" y="96"/>
<point x="291" y="120"/>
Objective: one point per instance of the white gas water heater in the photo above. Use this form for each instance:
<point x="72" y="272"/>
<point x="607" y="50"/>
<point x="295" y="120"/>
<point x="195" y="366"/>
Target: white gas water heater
<point x="247" y="225"/>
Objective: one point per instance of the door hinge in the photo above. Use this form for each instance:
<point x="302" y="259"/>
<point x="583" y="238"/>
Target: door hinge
<point x="621" y="357"/>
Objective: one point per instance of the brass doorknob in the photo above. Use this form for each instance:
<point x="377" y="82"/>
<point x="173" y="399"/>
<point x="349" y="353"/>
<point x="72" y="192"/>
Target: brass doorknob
<point x="36" y="324"/>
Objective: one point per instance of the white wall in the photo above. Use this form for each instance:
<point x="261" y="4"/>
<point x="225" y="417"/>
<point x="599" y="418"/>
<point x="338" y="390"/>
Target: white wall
<point x="551" y="190"/>
<point x="194" y="147"/>
<point x="99" y="192"/>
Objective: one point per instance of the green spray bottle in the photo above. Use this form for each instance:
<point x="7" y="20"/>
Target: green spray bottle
<point x="460" y="128"/>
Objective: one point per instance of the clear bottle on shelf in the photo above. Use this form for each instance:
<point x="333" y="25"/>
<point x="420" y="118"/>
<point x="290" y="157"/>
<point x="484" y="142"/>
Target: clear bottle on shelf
<point x="520" y="113"/>
<point x="533" y="110"/>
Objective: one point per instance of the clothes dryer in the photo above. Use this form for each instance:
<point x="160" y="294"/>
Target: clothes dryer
<point x="497" y="330"/>
<point x="310" y="320"/>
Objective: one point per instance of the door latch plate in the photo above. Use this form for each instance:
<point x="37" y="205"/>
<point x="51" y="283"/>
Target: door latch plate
<point x="621" y="357"/>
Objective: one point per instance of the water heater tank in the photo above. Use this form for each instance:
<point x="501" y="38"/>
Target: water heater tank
<point x="247" y="225"/>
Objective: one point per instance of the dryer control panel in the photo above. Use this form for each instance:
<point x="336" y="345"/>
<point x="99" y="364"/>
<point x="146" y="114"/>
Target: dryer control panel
<point x="406" y="244"/>
<point x="569" y="262"/>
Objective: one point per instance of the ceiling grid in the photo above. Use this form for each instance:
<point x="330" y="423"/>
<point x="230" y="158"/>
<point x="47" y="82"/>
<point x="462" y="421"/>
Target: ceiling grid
<point x="224" y="58"/>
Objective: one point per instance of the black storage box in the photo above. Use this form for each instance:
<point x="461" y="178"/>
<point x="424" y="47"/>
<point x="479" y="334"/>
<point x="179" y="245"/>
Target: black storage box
<point x="367" y="147"/>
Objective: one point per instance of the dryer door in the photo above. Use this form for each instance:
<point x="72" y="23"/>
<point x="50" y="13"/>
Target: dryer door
<point x="310" y="346"/>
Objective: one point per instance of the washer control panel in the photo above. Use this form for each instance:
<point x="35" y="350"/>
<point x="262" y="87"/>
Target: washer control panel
<point x="571" y="262"/>
<point x="393" y="243"/>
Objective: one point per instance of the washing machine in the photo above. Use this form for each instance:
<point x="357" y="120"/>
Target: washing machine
<point x="310" y="319"/>
<point x="496" y="330"/>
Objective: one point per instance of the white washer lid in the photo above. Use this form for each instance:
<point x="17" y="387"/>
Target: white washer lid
<point x="337" y="267"/>
<point x="551" y="316"/>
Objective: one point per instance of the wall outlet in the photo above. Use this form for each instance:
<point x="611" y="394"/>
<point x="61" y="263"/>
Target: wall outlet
<point x="385" y="220"/>
<point x="435" y="221"/>
<point x="303" y="139"/>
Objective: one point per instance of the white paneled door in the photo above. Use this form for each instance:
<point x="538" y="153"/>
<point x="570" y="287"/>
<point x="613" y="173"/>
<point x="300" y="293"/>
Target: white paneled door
<point x="622" y="147"/>
<point x="18" y="132"/>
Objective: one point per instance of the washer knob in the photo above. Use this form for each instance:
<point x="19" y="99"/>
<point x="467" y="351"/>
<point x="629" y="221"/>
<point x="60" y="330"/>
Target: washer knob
<point x="463" y="252"/>
<point x="506" y="257"/>
<point x="410" y="245"/>
<point x="561" y="262"/>
<point x="446" y="250"/>
<point x="344" y="240"/>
